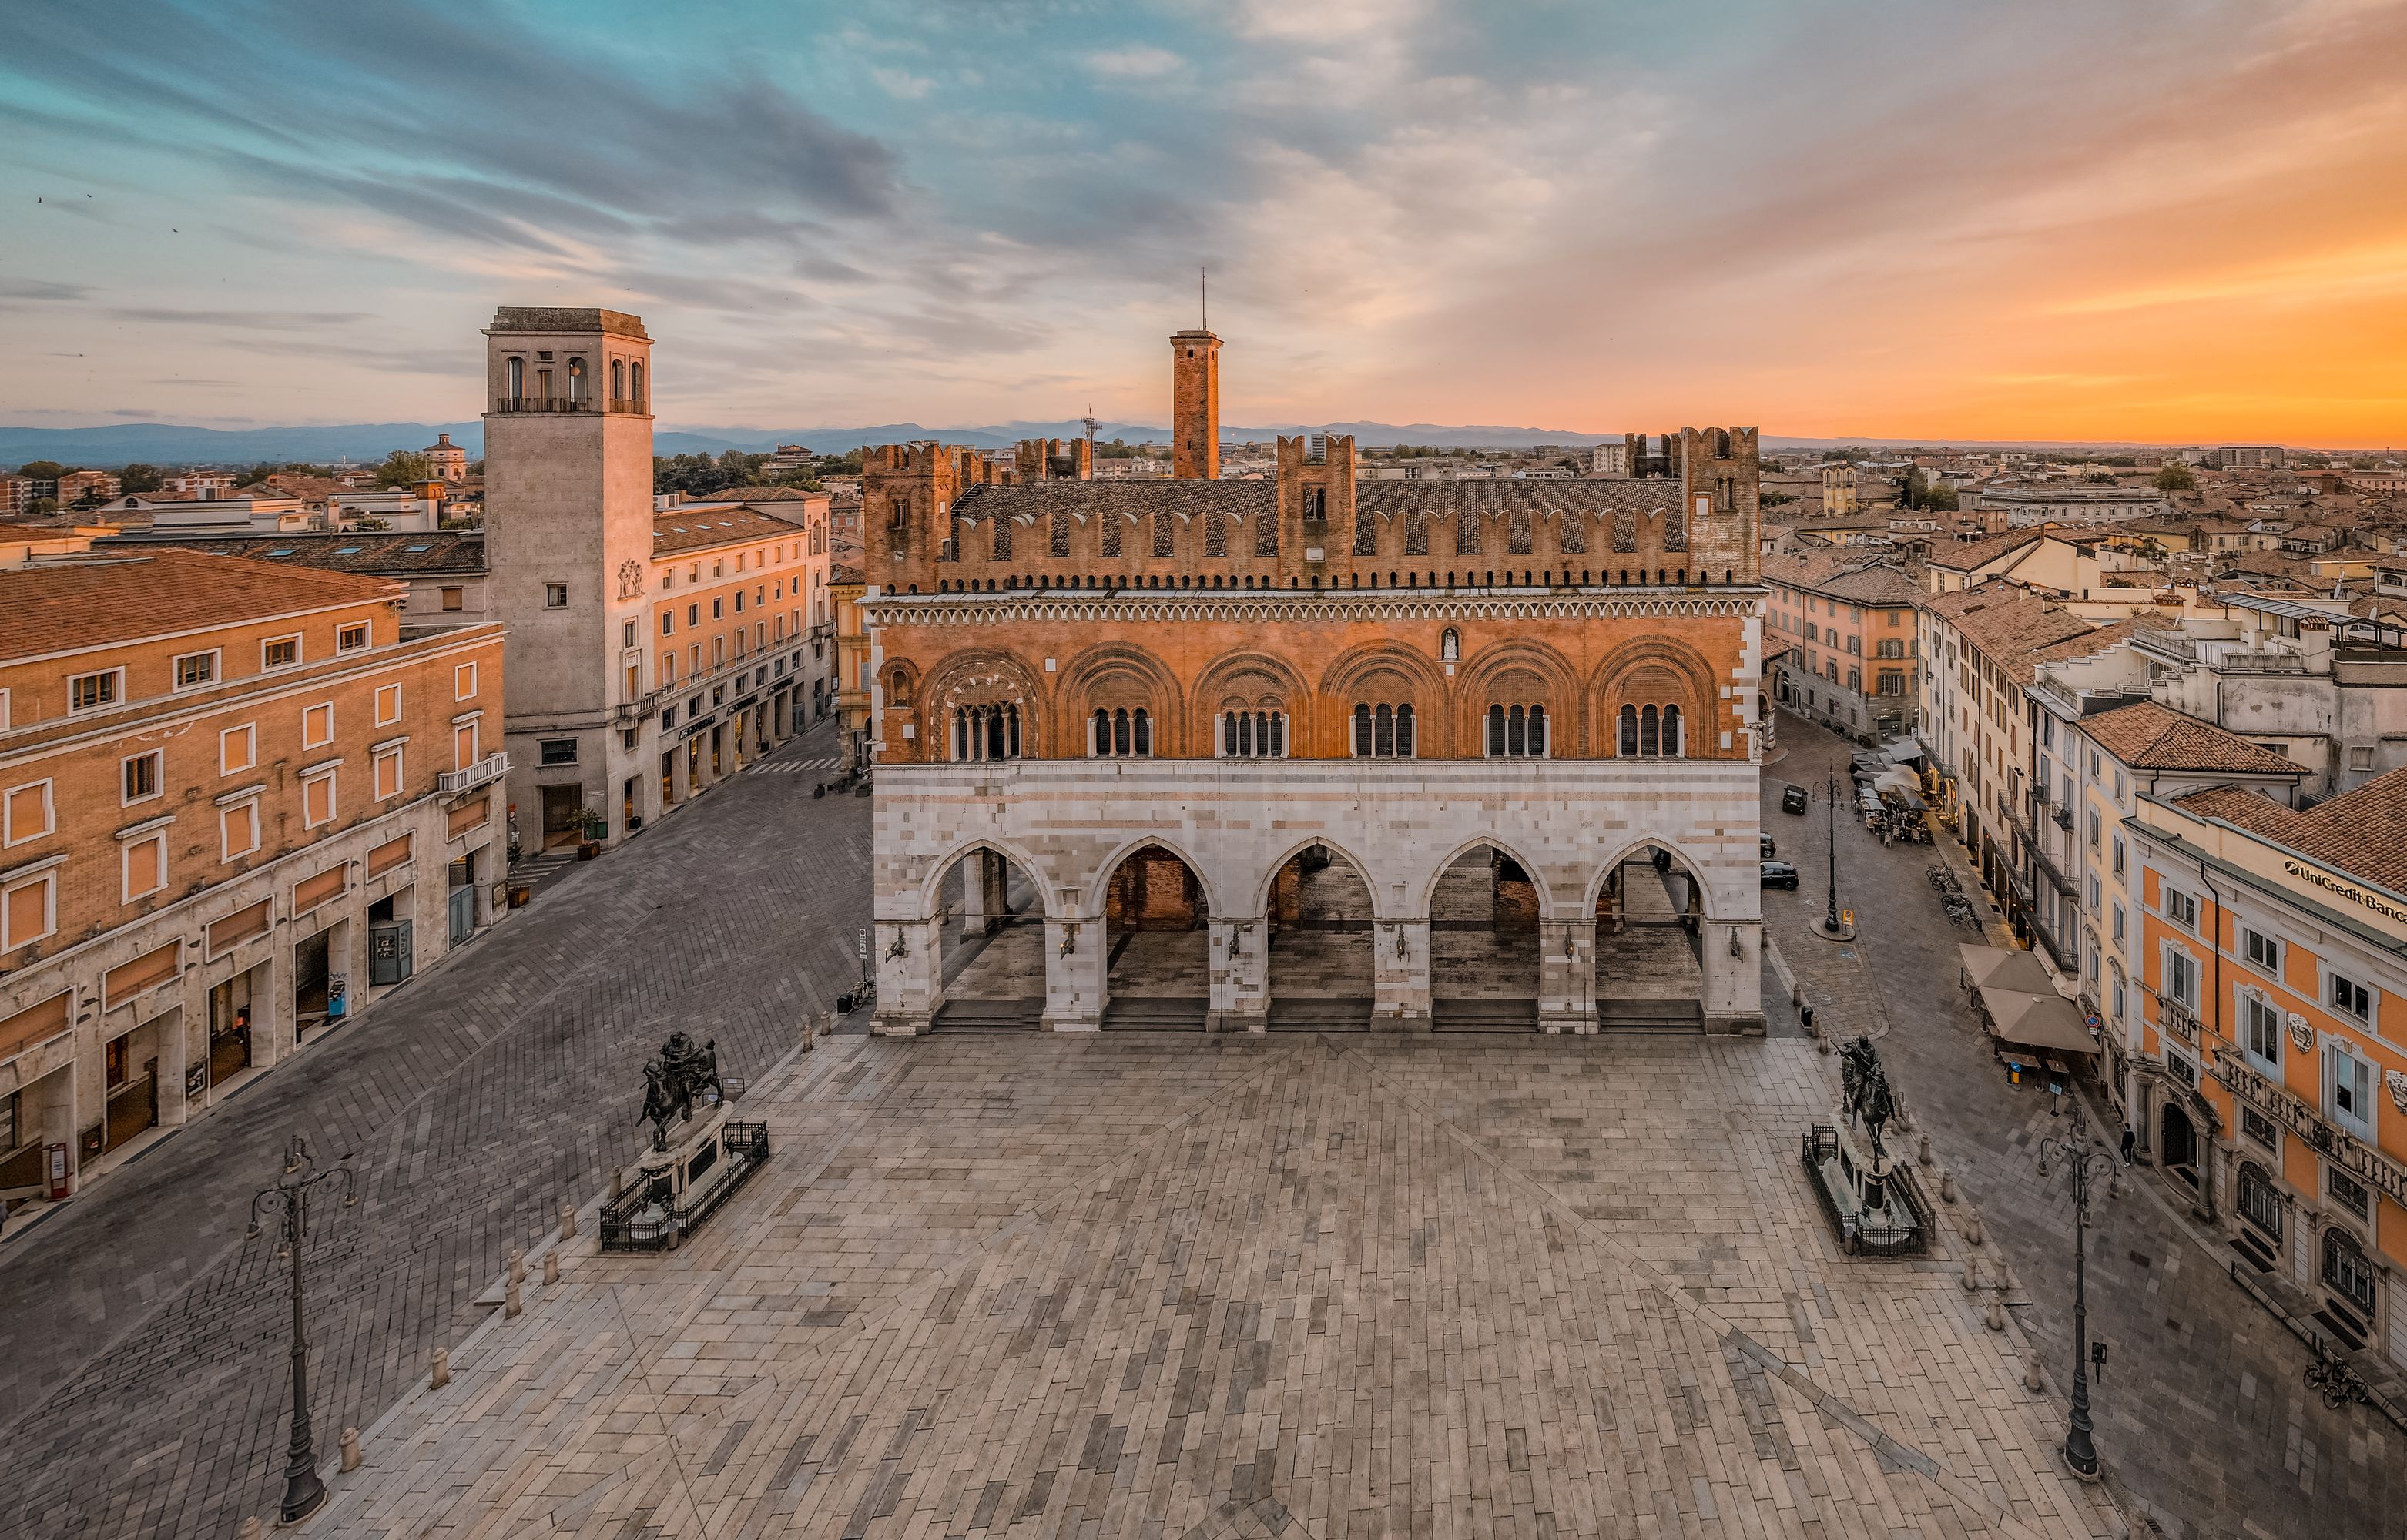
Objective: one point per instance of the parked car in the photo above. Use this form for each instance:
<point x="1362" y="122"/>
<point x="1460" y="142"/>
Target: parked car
<point x="1792" y="798"/>
<point x="1771" y="846"/>
<point x="1780" y="874"/>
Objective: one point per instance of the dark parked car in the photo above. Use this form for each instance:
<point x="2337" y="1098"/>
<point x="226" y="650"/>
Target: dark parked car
<point x="1792" y="798"/>
<point x="1771" y="846"/>
<point x="1780" y="874"/>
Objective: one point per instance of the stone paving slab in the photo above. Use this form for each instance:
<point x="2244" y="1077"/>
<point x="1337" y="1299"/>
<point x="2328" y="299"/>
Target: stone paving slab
<point x="1230" y="1285"/>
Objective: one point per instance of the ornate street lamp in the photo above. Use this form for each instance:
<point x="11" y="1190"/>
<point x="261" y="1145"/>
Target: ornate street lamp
<point x="1828" y="927"/>
<point x="289" y="1202"/>
<point x="2083" y="1156"/>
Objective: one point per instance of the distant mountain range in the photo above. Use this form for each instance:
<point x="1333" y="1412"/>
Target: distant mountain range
<point x="165" y="444"/>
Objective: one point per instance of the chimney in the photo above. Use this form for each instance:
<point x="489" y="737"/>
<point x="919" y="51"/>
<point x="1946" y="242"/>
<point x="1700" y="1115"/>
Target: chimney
<point x="1195" y="406"/>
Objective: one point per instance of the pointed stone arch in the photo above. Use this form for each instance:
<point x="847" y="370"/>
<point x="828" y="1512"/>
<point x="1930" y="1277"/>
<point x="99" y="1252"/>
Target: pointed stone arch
<point x="1536" y="674"/>
<point x="1115" y="677"/>
<point x="1256" y="680"/>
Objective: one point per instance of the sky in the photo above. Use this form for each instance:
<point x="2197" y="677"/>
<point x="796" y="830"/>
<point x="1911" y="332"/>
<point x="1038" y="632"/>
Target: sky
<point x="2164" y="221"/>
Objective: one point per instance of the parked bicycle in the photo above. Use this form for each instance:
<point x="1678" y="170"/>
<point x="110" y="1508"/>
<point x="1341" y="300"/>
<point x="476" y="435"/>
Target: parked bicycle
<point x="2330" y="1376"/>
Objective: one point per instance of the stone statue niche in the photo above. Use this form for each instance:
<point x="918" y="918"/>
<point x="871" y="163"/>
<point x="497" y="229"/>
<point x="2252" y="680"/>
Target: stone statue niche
<point x="1865" y="1192"/>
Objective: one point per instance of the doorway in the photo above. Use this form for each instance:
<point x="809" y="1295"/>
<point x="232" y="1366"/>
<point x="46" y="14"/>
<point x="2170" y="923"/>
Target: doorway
<point x="312" y="970"/>
<point x="129" y="1067"/>
<point x="390" y="951"/>
<point x="231" y="1005"/>
<point x="561" y="806"/>
<point x="1157" y="933"/>
<point x="1649" y="968"/>
<point x="1318" y="969"/>
<point x="2179" y="1153"/>
<point x="1484" y="961"/>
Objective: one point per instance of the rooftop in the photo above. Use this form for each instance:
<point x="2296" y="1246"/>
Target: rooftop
<point x="2017" y="630"/>
<point x="448" y="551"/>
<point x="2357" y="832"/>
<point x="550" y="318"/>
<point x="2147" y="736"/>
<point x="698" y="526"/>
<point x="95" y="601"/>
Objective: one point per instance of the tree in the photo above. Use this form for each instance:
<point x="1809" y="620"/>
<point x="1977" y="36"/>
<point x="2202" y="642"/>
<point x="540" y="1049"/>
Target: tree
<point x="41" y="469"/>
<point x="402" y="468"/>
<point x="256" y="475"/>
<point x="43" y="506"/>
<point x="139" y="477"/>
<point x="87" y="500"/>
<point x="2176" y="478"/>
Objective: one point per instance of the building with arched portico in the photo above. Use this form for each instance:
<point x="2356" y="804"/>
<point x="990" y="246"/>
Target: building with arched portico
<point x="1201" y="708"/>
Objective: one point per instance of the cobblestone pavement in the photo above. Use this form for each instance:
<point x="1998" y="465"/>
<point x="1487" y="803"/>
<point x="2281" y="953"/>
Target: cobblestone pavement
<point x="1164" y="1283"/>
<point x="142" y="1341"/>
<point x="2202" y="1418"/>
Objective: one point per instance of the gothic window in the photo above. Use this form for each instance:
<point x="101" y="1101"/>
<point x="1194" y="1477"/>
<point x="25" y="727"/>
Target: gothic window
<point x="577" y="379"/>
<point x="2345" y="1270"/>
<point x="1123" y="734"/>
<point x="618" y="380"/>
<point x="1164" y="531"/>
<point x="1517" y="733"/>
<point x="1519" y="534"/>
<point x="986" y="732"/>
<point x="1466" y="533"/>
<point x="1417" y="533"/>
<point x="1649" y="724"/>
<point x="1647" y="732"/>
<point x="2260" y="1201"/>
<point x="636" y="384"/>
<point x="1253" y="735"/>
<point x="1383" y="732"/>
<point x="1672" y="746"/>
<point x="1315" y="502"/>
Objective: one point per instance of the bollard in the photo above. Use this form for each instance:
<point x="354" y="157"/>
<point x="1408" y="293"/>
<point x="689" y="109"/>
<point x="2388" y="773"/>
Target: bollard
<point x="1971" y="1279"/>
<point x="510" y="1305"/>
<point x="618" y="1181"/>
<point x="440" y="1375"/>
<point x="1821" y="1045"/>
<point x="1948" y="1186"/>
<point x="567" y="1223"/>
<point x="517" y="1265"/>
<point x="250" y="1530"/>
<point x="1972" y="1225"/>
<point x="1997" y="1314"/>
<point x="1922" y="1148"/>
<point x="2031" y="1379"/>
<point x="551" y="1266"/>
<point x="350" y="1451"/>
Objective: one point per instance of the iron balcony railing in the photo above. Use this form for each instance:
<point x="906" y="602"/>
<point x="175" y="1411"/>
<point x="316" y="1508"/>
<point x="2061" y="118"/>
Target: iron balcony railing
<point x="490" y="767"/>
<point x="512" y="405"/>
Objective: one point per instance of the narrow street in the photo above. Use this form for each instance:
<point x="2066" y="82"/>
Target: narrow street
<point x="143" y="1339"/>
<point x="2203" y="1421"/>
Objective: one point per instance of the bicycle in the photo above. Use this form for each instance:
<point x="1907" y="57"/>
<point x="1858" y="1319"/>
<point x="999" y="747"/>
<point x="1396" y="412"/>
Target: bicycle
<point x="2330" y="1376"/>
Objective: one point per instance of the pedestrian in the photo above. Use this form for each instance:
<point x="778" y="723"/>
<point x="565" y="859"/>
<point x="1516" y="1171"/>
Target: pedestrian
<point x="1805" y="1014"/>
<point x="2130" y="1139"/>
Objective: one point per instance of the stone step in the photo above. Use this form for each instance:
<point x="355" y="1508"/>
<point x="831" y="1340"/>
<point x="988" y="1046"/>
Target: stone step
<point x="1644" y="1015"/>
<point x="1483" y="1014"/>
<point x="989" y="1016"/>
<point x="1316" y="1013"/>
<point x="1153" y="1013"/>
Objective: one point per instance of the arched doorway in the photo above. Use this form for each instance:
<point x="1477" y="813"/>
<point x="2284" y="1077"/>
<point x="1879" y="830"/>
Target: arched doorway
<point x="2178" y="1149"/>
<point x="1156" y="927"/>
<point x="1484" y="964"/>
<point x="1650" y="976"/>
<point x="993" y="932"/>
<point x="1321" y="976"/>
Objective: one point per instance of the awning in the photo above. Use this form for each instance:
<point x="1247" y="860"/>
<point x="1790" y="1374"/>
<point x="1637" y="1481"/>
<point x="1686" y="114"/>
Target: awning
<point x="2003" y="968"/>
<point x="1900" y="750"/>
<point x="2044" y="1022"/>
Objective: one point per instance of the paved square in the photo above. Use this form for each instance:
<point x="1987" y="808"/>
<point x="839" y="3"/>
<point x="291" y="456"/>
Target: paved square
<point x="1159" y="1284"/>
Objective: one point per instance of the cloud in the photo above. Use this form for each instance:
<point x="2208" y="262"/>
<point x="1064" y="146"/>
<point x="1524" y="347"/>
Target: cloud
<point x="902" y="84"/>
<point x="244" y="320"/>
<point x="1137" y="62"/>
<point x="41" y="291"/>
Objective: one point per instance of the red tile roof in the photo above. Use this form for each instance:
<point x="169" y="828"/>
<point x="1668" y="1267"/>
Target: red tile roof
<point x="2147" y="736"/>
<point x="92" y="601"/>
<point x="2362" y="832"/>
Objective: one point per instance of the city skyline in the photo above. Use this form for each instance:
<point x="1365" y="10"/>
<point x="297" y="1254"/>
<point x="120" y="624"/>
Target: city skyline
<point x="2053" y="224"/>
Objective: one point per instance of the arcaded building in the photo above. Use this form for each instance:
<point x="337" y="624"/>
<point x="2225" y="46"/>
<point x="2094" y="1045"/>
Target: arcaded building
<point x="1314" y="750"/>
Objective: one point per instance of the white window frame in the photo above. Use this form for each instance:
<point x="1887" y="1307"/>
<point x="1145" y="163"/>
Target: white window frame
<point x="4" y="711"/>
<point x="158" y="759"/>
<point x="384" y="692"/>
<point x="131" y="848"/>
<point x="267" y="641"/>
<point x="463" y="682"/>
<point x="334" y="806"/>
<point x="2167" y="970"/>
<point x="2270" y="966"/>
<point x="2325" y="974"/>
<point x="472" y="726"/>
<point x="248" y="804"/>
<point x="117" y="691"/>
<point x="381" y="755"/>
<point x="10" y="941"/>
<point x="2179" y="909"/>
<point x="2336" y="1054"/>
<point x="176" y="683"/>
<point x="2249" y="999"/>
<point x="9" y="833"/>
<point x="343" y="643"/>
<point x="248" y="733"/>
<point x="310" y="736"/>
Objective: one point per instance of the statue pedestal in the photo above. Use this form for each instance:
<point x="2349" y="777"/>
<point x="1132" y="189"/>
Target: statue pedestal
<point x="673" y="1190"/>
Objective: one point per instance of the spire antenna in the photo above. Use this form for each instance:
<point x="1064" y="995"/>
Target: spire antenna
<point x="1203" y="297"/>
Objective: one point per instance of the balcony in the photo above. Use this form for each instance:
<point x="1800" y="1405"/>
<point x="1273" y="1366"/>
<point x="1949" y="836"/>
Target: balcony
<point x="2336" y="1145"/>
<point x="2176" y="1019"/>
<point x="490" y="767"/>
<point x="530" y="405"/>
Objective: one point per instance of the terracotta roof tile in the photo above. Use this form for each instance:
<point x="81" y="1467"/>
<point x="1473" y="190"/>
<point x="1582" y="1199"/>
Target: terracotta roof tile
<point x="697" y="526"/>
<point x="90" y="601"/>
<point x="2358" y="832"/>
<point x="2147" y="736"/>
<point x="446" y="551"/>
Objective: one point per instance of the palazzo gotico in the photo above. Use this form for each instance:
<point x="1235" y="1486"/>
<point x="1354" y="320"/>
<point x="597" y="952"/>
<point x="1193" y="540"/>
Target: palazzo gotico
<point x="1313" y="750"/>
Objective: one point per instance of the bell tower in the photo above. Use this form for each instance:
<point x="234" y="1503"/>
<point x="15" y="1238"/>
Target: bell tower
<point x="1195" y="406"/>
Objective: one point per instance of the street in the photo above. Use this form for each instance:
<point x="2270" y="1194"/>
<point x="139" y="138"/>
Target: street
<point x="143" y="1339"/>
<point x="2203" y="1421"/>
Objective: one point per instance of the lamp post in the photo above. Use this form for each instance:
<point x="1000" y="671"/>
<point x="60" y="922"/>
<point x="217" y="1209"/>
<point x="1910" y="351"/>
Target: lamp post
<point x="288" y="1201"/>
<point x="2083" y="1156"/>
<point x="1828" y="927"/>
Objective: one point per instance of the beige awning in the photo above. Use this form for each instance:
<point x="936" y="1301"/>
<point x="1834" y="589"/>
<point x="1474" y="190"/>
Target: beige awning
<point x="2004" y="967"/>
<point x="2044" y="1022"/>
